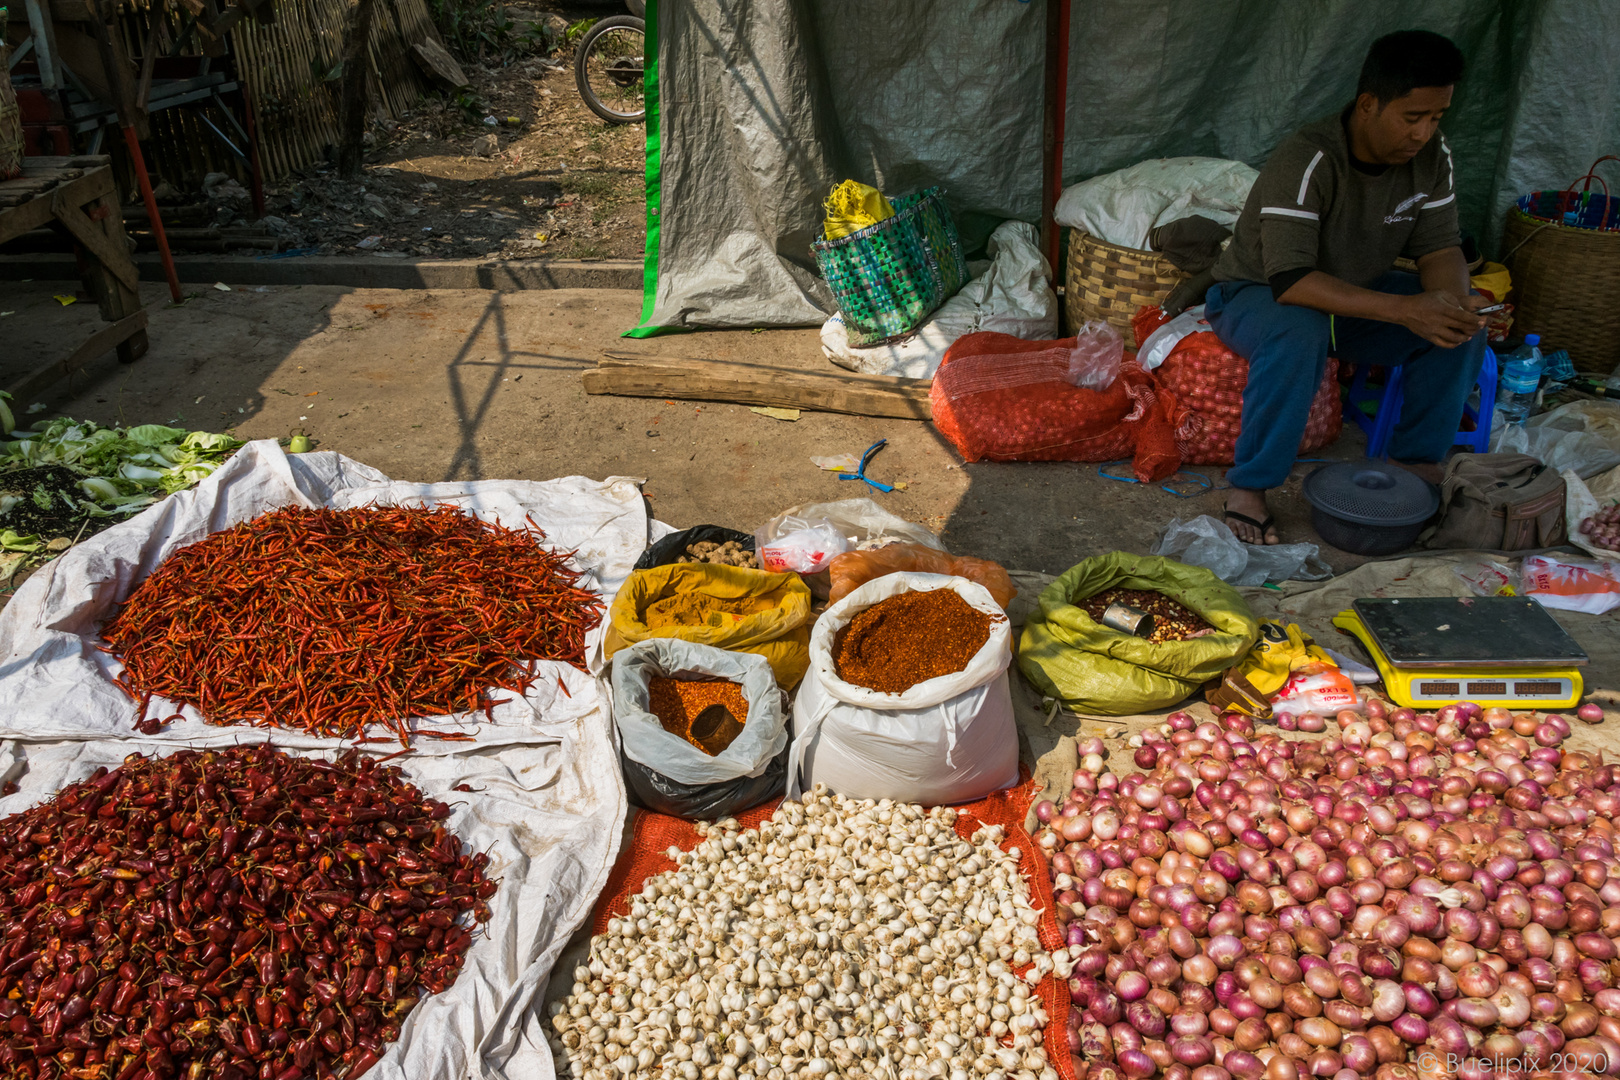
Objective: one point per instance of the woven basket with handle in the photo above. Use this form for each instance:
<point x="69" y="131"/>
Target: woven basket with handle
<point x="1109" y="282"/>
<point x="11" y="133"/>
<point x="1563" y="249"/>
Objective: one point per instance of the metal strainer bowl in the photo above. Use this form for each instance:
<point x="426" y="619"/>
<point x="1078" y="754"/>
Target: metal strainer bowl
<point x="1369" y="507"/>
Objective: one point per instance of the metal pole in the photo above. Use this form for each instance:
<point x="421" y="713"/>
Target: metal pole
<point x="1052" y="118"/>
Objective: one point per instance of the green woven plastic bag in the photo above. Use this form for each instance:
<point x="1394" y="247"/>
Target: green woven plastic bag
<point x="1092" y="668"/>
<point x="889" y="277"/>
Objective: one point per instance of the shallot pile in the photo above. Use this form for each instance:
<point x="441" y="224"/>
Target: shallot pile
<point x="226" y="914"/>
<point x="1604" y="528"/>
<point x="1418" y="896"/>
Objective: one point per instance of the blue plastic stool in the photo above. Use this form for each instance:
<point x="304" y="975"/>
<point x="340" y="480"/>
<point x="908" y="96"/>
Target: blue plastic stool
<point x="1380" y="427"/>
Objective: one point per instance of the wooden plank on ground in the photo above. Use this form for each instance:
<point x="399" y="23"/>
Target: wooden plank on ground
<point x="638" y="375"/>
<point x="438" y="64"/>
<point x="102" y="341"/>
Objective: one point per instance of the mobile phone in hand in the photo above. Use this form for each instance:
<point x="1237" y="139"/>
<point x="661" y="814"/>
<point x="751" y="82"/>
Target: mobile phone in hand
<point x="1489" y="309"/>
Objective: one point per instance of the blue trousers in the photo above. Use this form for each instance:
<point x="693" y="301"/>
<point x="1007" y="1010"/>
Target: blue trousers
<point x="1287" y="349"/>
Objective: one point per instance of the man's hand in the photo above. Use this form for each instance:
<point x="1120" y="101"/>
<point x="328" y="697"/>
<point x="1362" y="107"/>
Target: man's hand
<point x="1437" y="316"/>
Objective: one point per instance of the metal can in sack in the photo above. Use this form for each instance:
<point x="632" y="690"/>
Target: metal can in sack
<point x="1128" y="620"/>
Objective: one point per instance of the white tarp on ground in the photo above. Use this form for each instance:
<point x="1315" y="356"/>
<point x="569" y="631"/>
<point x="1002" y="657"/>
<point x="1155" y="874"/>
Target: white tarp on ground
<point x="548" y="801"/>
<point x="56" y="684"/>
<point x="549" y="816"/>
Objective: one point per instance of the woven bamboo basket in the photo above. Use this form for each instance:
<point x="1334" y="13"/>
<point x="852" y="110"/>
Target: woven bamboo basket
<point x="1566" y="278"/>
<point x="1109" y="282"/>
<point x="11" y="133"/>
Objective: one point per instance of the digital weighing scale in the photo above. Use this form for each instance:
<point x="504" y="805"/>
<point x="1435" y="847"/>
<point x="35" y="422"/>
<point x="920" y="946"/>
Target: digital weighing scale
<point x="1493" y="650"/>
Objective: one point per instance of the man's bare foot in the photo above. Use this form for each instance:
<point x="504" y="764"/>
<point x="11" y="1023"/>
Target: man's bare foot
<point x="1248" y="517"/>
<point x="1423" y="470"/>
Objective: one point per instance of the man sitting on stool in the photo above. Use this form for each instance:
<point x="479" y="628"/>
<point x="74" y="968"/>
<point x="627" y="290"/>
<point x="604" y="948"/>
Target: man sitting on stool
<point x="1308" y="269"/>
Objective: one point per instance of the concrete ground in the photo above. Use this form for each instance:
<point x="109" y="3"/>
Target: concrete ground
<point x="451" y="384"/>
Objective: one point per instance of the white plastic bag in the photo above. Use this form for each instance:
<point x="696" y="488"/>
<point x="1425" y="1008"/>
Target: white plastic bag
<point x="1207" y="542"/>
<point x="946" y="740"/>
<point x="1013" y="296"/>
<point x="1325" y="692"/>
<point x="1489" y="577"/>
<point x="1582" y="500"/>
<point x="1572" y="583"/>
<point x="861" y="522"/>
<point x="1094" y="361"/>
<point x="805" y="548"/>
<point x="764" y="733"/>
<point x="1583" y="436"/>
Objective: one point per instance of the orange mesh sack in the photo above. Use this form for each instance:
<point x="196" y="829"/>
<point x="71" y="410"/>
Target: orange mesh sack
<point x="855" y="568"/>
<point x="1207" y="379"/>
<point x="1001" y="398"/>
<point x="654" y="834"/>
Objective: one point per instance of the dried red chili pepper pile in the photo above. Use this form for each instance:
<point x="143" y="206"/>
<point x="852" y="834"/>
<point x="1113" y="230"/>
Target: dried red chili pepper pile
<point x="226" y="914"/>
<point x="328" y="620"/>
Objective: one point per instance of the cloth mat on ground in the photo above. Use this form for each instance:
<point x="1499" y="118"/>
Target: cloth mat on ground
<point x="645" y="855"/>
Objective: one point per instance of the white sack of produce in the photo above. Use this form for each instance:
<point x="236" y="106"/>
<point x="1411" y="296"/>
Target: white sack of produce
<point x="1011" y="297"/>
<point x="56" y="683"/>
<point x="549" y="818"/>
<point x="1124" y="207"/>
<point x="945" y="740"/>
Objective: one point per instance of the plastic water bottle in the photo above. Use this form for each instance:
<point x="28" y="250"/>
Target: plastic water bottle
<point x="1521" y="377"/>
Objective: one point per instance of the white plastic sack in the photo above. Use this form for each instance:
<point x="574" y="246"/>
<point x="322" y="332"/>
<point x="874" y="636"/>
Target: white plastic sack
<point x="1582" y="500"/>
<point x="1124" y="207"/>
<point x="550" y="816"/>
<point x="56" y="684"/>
<point x="1207" y="542"/>
<point x="1583" y="436"/>
<point x="764" y="734"/>
<point x="1163" y="341"/>
<point x="1012" y="297"/>
<point x="947" y="740"/>
<point x="862" y="522"/>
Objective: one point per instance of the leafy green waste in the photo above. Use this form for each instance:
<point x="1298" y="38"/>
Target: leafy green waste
<point x="126" y="469"/>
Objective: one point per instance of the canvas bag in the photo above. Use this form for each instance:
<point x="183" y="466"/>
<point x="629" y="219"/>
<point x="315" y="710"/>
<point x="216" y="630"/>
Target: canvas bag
<point x="1500" y="502"/>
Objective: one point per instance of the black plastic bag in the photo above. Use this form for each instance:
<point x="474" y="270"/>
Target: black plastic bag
<point x="652" y="790"/>
<point x="672" y="547"/>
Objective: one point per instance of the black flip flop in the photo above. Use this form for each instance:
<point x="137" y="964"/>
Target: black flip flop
<point x="1264" y="526"/>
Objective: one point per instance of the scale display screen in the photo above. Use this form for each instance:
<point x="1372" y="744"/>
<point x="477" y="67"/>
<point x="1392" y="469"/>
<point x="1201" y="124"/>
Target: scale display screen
<point x="1446" y="691"/>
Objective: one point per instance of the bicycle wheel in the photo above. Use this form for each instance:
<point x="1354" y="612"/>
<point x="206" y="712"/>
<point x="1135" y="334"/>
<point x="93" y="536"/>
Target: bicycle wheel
<point x="608" y="69"/>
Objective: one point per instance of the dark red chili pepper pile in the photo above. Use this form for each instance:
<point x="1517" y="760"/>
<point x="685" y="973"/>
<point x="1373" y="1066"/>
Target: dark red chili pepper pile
<point x="226" y="914"/>
<point x="328" y="620"/>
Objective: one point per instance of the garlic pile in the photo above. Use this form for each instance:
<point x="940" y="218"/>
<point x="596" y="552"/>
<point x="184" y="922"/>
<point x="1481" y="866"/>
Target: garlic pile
<point x="842" y="937"/>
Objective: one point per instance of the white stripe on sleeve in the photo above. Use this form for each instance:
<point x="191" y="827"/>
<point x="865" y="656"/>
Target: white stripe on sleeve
<point x="1439" y="202"/>
<point x="1451" y="168"/>
<point x="1284" y="211"/>
<point x="1305" y="181"/>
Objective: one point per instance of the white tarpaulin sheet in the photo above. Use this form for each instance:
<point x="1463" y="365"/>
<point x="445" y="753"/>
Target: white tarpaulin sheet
<point x="548" y="799"/>
<point x="55" y="683"/>
<point x="548" y="815"/>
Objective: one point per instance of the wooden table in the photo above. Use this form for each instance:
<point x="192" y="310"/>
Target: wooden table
<point x="81" y="196"/>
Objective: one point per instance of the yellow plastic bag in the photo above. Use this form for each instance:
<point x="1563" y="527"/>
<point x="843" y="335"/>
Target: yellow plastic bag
<point x="728" y="607"/>
<point x="1281" y="651"/>
<point x="1095" y="669"/>
<point x="853" y="206"/>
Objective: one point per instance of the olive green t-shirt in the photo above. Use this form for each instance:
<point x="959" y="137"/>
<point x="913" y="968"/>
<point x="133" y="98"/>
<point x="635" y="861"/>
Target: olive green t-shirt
<point x="1313" y="209"/>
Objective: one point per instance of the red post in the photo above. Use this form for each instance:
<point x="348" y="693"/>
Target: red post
<point x="152" y="215"/>
<point x="253" y="148"/>
<point x="1052" y="117"/>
